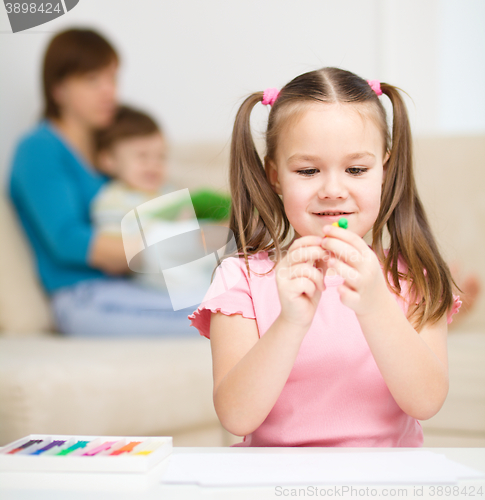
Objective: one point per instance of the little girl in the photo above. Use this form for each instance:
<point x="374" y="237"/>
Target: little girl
<point x="327" y="341"/>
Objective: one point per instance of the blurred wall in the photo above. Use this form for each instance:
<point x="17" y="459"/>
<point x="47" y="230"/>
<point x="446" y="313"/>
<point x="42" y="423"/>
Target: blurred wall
<point x="190" y="63"/>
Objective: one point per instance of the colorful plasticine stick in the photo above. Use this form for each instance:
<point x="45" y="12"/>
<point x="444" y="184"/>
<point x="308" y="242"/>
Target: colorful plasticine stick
<point x="342" y="222"/>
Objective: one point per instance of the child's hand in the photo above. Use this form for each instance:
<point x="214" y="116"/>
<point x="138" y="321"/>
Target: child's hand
<point x="352" y="259"/>
<point x="300" y="280"/>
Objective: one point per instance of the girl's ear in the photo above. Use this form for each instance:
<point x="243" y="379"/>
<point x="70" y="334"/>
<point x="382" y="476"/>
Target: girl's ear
<point x="272" y="175"/>
<point x="385" y="165"/>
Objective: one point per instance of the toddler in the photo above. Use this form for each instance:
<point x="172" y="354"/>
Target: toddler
<point x="132" y="150"/>
<point x="325" y="340"/>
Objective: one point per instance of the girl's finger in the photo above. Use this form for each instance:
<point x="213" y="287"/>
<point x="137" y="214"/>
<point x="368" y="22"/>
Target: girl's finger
<point x="306" y="286"/>
<point x="304" y="270"/>
<point x="307" y="254"/>
<point x="348" y="297"/>
<point x="309" y="272"/>
<point x="305" y="241"/>
<point x="345" y="235"/>
<point x="344" y="252"/>
<point x="348" y="273"/>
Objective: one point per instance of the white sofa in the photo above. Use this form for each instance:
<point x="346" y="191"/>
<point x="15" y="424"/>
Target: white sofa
<point x="52" y="384"/>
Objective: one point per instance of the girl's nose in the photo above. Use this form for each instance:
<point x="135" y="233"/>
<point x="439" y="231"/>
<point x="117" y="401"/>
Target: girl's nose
<point x="333" y="186"/>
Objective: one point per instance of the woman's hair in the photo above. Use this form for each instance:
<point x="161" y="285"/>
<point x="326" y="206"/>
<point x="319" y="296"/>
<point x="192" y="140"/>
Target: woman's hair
<point x="128" y="122"/>
<point x="258" y="218"/>
<point x="72" y="52"/>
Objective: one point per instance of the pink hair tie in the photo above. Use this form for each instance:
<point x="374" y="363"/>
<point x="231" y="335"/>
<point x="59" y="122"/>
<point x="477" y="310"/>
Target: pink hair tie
<point x="270" y="96"/>
<point x="375" y="85"/>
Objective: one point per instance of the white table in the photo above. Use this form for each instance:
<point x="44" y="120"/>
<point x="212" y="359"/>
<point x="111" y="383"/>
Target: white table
<point x="67" y="486"/>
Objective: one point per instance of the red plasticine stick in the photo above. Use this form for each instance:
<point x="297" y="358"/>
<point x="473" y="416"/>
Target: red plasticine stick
<point x="105" y="446"/>
<point x="25" y="445"/>
<point x="128" y="447"/>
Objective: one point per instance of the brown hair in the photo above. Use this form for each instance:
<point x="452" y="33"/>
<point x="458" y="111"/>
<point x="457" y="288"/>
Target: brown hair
<point x="128" y="122"/>
<point x="72" y="52"/>
<point x="258" y="218"/>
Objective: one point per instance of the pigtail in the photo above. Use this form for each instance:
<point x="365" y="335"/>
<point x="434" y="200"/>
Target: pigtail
<point x="257" y="217"/>
<point x="411" y="238"/>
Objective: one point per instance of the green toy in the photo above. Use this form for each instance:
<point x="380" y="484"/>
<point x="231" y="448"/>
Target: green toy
<point x="342" y="222"/>
<point x="208" y="204"/>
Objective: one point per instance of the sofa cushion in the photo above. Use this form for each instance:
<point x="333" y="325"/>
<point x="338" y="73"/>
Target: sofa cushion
<point x="24" y="308"/>
<point x="104" y="387"/>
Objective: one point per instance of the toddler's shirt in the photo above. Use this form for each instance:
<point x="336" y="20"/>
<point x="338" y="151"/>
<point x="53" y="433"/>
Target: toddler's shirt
<point x="111" y="204"/>
<point x="335" y="394"/>
<point x="115" y="200"/>
<point x="159" y="221"/>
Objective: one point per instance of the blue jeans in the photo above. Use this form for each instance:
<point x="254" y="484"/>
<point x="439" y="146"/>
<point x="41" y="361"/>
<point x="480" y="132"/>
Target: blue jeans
<point x="119" y="308"/>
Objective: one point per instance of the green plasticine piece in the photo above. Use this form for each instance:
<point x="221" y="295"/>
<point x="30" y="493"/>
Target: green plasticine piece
<point x="343" y="223"/>
<point x="208" y="204"/>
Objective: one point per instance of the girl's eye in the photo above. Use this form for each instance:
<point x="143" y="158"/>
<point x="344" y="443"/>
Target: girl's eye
<point x="308" y="172"/>
<point x="357" y="170"/>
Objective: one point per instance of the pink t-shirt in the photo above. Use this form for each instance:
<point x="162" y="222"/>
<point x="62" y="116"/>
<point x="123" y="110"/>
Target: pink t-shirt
<point x="335" y="394"/>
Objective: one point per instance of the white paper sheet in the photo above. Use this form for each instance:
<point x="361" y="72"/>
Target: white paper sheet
<point x="266" y="469"/>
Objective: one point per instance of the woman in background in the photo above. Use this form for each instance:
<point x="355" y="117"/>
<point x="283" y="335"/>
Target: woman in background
<point x="52" y="183"/>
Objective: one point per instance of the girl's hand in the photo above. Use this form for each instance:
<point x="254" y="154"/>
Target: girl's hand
<point x="350" y="256"/>
<point x="300" y="280"/>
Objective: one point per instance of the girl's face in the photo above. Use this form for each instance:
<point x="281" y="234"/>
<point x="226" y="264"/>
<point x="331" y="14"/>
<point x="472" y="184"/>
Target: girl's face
<point x="331" y="161"/>
<point x="89" y="98"/>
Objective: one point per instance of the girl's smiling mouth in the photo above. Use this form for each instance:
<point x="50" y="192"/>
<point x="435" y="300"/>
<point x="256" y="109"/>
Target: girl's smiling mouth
<point x="332" y="215"/>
